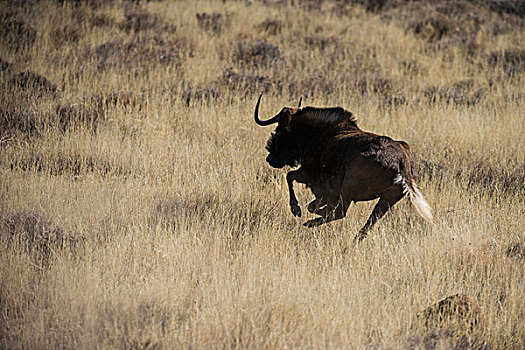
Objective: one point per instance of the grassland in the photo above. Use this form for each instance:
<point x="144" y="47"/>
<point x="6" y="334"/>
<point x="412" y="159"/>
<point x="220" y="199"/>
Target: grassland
<point x="137" y="211"/>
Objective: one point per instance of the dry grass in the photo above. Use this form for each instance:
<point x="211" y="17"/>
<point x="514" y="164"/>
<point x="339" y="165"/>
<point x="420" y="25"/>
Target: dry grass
<point x="136" y="209"/>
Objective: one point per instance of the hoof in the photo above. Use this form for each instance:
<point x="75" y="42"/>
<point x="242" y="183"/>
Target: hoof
<point x="314" y="222"/>
<point x="359" y="237"/>
<point x="316" y="209"/>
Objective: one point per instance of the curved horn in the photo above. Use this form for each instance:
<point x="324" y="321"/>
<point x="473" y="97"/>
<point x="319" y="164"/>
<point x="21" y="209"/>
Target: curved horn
<point x="264" y="122"/>
<point x="300" y="100"/>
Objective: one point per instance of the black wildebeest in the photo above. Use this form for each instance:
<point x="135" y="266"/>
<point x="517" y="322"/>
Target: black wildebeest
<point x="341" y="164"/>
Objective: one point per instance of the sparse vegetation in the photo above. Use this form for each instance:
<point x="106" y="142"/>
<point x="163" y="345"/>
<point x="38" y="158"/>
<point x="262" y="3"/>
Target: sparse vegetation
<point x="137" y="211"/>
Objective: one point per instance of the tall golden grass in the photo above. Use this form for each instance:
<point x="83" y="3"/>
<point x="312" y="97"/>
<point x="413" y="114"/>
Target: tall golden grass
<point x="137" y="210"/>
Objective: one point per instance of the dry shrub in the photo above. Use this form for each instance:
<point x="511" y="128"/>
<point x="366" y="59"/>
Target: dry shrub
<point x="91" y="111"/>
<point x="243" y="82"/>
<point x="33" y="83"/>
<point x="65" y="34"/>
<point x="200" y="94"/>
<point x="494" y="180"/>
<point x="138" y="19"/>
<point x="214" y="22"/>
<point x="446" y="339"/>
<point x="457" y="312"/>
<point x="14" y="123"/>
<point x="319" y="42"/>
<point x="461" y="93"/>
<point x="430" y="170"/>
<point x="375" y="5"/>
<point x="70" y="164"/>
<point x="140" y="324"/>
<point x="311" y="5"/>
<point x="313" y="86"/>
<point x="376" y="85"/>
<point x="17" y="34"/>
<point x="412" y="67"/>
<point x="74" y="115"/>
<point x="36" y="233"/>
<point x="258" y="54"/>
<point x="140" y="53"/>
<point x="209" y="210"/>
<point x="516" y="250"/>
<point x="116" y="99"/>
<point x="434" y="27"/>
<point x="271" y="26"/>
<point x="102" y="20"/>
<point x="4" y="65"/>
<point x="511" y="61"/>
<point x="512" y="7"/>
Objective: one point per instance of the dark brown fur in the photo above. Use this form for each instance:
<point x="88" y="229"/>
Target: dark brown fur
<point x="341" y="164"/>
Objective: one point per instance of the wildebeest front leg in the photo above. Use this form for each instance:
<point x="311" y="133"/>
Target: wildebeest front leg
<point x="295" y="175"/>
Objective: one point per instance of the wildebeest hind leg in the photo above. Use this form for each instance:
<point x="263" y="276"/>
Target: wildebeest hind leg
<point x="386" y="201"/>
<point x="329" y="213"/>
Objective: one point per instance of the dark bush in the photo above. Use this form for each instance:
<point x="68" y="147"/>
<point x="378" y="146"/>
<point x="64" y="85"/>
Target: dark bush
<point x="446" y="339"/>
<point x="200" y="94"/>
<point x="65" y="34"/>
<point x="410" y="67"/>
<point x="271" y="26"/>
<point x="4" y="65"/>
<point x="258" y="54"/>
<point x="311" y="86"/>
<point x="511" y="61"/>
<point x="140" y="53"/>
<point x="455" y="312"/>
<point x="430" y="170"/>
<point x="114" y="99"/>
<point x="68" y="116"/>
<point x="516" y="250"/>
<point x="208" y="209"/>
<point x="319" y="42"/>
<point x="213" y="22"/>
<point x="375" y="85"/>
<point x="73" y="165"/>
<point x="246" y="83"/>
<point x="102" y="20"/>
<point x="434" y="27"/>
<point x="17" y="34"/>
<point x="513" y="7"/>
<point x="13" y="123"/>
<point x="91" y="111"/>
<point x="374" y="5"/>
<point x="494" y="180"/>
<point x="138" y="19"/>
<point x="34" y="231"/>
<point x="461" y="93"/>
<point x="33" y="83"/>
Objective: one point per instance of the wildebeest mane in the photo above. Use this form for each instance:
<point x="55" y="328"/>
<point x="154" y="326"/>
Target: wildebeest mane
<point x="324" y="117"/>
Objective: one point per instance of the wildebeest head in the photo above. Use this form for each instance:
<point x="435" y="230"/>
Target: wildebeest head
<point x="282" y="146"/>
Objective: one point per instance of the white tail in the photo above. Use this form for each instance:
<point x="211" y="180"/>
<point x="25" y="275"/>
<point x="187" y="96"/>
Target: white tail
<point x="416" y="198"/>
